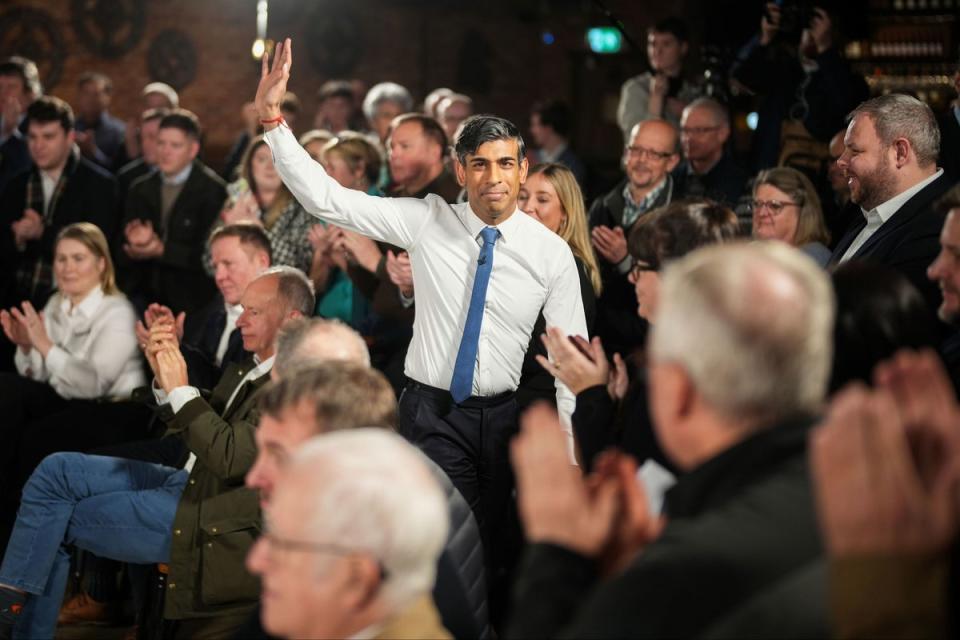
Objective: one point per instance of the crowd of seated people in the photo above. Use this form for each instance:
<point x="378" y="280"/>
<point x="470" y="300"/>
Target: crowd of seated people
<point x="389" y="372"/>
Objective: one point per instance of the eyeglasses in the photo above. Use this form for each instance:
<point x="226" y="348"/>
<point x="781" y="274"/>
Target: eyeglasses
<point x="697" y="131"/>
<point x="643" y="153"/>
<point x="773" y="206"/>
<point x="640" y="267"/>
<point x="281" y="544"/>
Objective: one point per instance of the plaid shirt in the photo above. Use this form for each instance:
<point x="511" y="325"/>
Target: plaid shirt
<point x="632" y="209"/>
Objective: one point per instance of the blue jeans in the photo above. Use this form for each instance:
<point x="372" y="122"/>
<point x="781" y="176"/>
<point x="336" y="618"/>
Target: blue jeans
<point x="113" y="507"/>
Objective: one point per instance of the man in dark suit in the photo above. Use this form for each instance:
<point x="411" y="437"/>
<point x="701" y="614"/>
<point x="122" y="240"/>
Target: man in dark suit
<point x="890" y="162"/>
<point x="648" y="159"/>
<point x="59" y="188"/>
<point x="168" y="215"/>
<point x="19" y="86"/>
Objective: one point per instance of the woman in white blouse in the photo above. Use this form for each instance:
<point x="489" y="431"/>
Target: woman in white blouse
<point x="74" y="359"/>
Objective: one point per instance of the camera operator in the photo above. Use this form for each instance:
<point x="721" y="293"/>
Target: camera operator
<point x="806" y="88"/>
<point x="661" y="92"/>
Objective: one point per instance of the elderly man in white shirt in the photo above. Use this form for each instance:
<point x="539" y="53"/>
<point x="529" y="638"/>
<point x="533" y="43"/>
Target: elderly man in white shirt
<point x="482" y="272"/>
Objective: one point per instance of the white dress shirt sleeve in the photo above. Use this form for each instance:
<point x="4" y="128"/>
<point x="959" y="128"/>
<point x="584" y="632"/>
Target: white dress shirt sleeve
<point x="563" y="308"/>
<point x="398" y="221"/>
<point x="112" y="343"/>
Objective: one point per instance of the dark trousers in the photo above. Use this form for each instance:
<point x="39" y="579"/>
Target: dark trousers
<point x="35" y="422"/>
<point x="470" y="442"/>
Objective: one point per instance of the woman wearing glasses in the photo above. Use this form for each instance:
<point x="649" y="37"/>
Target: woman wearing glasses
<point x="786" y="208"/>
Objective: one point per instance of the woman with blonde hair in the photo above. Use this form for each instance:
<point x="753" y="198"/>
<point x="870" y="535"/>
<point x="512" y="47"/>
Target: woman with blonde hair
<point x="552" y="196"/>
<point x="71" y="358"/>
<point x="786" y="207"/>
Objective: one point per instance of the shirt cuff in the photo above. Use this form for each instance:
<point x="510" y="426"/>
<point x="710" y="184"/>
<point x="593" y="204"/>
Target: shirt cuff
<point x="181" y="396"/>
<point x="625" y="265"/>
<point x="158" y="394"/>
<point x="56" y="360"/>
<point x="404" y="300"/>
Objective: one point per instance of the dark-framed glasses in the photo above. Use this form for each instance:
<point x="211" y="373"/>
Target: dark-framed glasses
<point x="773" y="206"/>
<point x="644" y="153"/>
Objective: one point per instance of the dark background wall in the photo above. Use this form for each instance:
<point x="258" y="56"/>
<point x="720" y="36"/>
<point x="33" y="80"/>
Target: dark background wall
<point x="493" y="51"/>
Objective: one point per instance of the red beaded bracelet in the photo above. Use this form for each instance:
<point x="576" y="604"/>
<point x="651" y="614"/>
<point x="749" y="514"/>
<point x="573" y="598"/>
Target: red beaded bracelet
<point x="277" y="120"/>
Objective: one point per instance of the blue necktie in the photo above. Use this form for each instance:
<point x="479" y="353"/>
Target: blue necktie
<point x="462" y="383"/>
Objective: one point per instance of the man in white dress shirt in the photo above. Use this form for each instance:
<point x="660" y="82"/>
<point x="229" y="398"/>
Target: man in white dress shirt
<point x="477" y="300"/>
<point x="890" y="161"/>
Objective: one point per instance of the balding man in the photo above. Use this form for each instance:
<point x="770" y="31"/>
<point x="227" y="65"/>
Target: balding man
<point x="740" y="356"/>
<point x="708" y="170"/>
<point x="653" y="152"/>
<point x="890" y="161"/>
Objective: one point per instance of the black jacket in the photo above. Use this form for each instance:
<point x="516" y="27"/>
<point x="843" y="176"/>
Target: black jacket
<point x="725" y="182"/>
<point x="618" y="325"/>
<point x="90" y="195"/>
<point x="737" y="525"/>
<point x="177" y="278"/>
<point x="909" y="241"/>
<point x="949" y="144"/>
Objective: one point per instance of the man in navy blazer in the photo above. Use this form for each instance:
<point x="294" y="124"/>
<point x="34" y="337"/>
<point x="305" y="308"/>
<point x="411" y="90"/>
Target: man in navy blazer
<point x="890" y="160"/>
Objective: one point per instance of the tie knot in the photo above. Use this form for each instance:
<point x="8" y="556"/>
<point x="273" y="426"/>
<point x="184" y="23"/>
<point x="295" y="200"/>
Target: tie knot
<point x="489" y="235"/>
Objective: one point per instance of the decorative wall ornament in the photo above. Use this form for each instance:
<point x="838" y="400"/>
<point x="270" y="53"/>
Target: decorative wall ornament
<point x="172" y="58"/>
<point x="34" y="34"/>
<point x="109" y="28"/>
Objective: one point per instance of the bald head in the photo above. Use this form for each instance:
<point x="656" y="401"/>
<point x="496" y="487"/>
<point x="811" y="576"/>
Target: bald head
<point x="309" y="342"/>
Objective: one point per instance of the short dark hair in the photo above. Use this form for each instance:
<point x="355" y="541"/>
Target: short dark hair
<point x="428" y="124"/>
<point x="249" y="233"/>
<point x="184" y="120"/>
<point x="672" y="25"/>
<point x="344" y="395"/>
<point x="24" y="69"/>
<point x="674" y="230"/>
<point x="555" y="114"/>
<point x="47" y="109"/>
<point x="290" y="103"/>
<point x="335" y="89"/>
<point x="96" y="76"/>
<point x="479" y="129"/>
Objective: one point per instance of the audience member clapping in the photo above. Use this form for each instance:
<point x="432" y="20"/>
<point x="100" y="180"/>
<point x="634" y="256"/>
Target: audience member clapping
<point x="739" y="362"/>
<point x="786" y="207"/>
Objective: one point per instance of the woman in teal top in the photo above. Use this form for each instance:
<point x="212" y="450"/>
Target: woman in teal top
<point x="353" y="161"/>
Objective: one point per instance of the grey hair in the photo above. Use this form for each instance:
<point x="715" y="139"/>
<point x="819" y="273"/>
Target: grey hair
<point x="372" y="492"/>
<point x="752" y="325"/>
<point x="293" y="287"/>
<point x="383" y="92"/>
<point x="307" y="342"/>
<point x="721" y="115"/>
<point x="478" y="129"/>
<point x="897" y="115"/>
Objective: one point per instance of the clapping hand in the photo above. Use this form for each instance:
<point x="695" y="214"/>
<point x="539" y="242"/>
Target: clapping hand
<point x="400" y="272"/>
<point x="611" y="244"/>
<point x="143" y="243"/>
<point x="604" y="515"/>
<point x="886" y="463"/>
<point x="360" y="249"/>
<point x="580" y="364"/>
<point x="158" y="313"/>
<point x="244" y="209"/>
<point x="171" y="369"/>
<point x="25" y="328"/>
<point x="28" y="227"/>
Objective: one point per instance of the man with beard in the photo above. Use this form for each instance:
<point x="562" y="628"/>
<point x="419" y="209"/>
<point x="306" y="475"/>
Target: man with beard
<point x="890" y="161"/>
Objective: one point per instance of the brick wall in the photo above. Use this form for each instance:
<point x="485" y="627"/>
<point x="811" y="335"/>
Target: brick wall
<point x="419" y="43"/>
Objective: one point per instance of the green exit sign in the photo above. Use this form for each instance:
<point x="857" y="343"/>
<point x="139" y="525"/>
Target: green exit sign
<point x="604" y="39"/>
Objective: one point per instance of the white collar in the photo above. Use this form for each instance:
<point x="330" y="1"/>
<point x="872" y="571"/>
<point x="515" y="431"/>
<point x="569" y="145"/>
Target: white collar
<point x="179" y="178"/>
<point x="87" y="307"/>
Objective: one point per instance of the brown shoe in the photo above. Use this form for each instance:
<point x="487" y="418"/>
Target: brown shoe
<point x="82" y="609"/>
